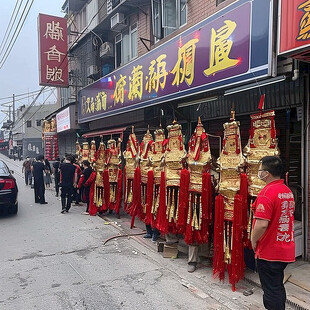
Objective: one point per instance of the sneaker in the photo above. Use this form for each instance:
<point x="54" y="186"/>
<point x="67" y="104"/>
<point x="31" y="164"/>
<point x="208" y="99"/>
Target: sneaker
<point x="191" y="267"/>
<point x="77" y="204"/>
<point x="85" y="213"/>
<point x="147" y="236"/>
<point x="63" y="211"/>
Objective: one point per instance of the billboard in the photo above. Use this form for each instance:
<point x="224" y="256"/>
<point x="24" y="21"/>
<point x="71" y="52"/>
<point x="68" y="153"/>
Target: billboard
<point x="53" y="58"/>
<point x="228" y="48"/>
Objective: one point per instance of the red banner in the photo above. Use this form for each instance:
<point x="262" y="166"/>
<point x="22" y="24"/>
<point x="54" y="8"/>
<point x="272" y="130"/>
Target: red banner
<point x="294" y="35"/>
<point x="53" y="59"/>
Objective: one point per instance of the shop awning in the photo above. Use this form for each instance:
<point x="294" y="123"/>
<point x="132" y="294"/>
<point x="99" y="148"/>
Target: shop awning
<point x="107" y="132"/>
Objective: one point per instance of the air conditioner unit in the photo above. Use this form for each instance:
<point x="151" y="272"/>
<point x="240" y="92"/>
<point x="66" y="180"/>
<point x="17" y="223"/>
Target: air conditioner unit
<point x="91" y="71"/>
<point x="106" y="50"/>
<point x="118" y="22"/>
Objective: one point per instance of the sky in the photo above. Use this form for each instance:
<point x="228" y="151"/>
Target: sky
<point x="20" y="73"/>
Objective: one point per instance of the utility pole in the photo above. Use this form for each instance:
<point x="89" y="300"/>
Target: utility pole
<point x="13" y="109"/>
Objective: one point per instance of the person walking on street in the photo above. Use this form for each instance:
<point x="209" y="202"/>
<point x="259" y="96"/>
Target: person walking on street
<point x="273" y="232"/>
<point x="67" y="183"/>
<point x="47" y="176"/>
<point x="27" y="170"/>
<point x="38" y="169"/>
<point x="56" y="173"/>
<point x="86" y="180"/>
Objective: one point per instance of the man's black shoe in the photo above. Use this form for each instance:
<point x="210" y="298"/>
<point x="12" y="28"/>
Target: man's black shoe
<point x="44" y="203"/>
<point x="63" y="211"/>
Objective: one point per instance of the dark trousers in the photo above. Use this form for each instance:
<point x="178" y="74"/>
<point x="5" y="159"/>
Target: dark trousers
<point x="39" y="191"/>
<point x="28" y="177"/>
<point x="271" y="276"/>
<point x="57" y="180"/>
<point x="86" y="191"/>
<point x="66" y="196"/>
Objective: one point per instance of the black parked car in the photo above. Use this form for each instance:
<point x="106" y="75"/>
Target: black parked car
<point x="8" y="189"/>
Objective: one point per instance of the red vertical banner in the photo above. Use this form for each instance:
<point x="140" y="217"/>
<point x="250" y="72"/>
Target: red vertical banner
<point x="53" y="45"/>
<point x="294" y="27"/>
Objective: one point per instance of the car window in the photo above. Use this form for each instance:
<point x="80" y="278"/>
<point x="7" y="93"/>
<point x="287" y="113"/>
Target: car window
<point x="3" y="168"/>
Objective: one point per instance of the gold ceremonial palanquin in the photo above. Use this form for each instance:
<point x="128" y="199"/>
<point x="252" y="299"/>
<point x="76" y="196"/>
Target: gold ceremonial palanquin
<point x="113" y="163"/>
<point x="199" y="161"/>
<point x="174" y="156"/>
<point x="144" y="166"/>
<point x="99" y="166"/>
<point x="130" y="156"/>
<point x="156" y="160"/>
<point x="231" y="162"/>
<point x="262" y="142"/>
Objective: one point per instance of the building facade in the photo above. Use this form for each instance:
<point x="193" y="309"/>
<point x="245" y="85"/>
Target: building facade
<point x="143" y="63"/>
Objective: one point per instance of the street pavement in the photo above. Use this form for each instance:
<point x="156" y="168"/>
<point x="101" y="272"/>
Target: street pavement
<point x="56" y="261"/>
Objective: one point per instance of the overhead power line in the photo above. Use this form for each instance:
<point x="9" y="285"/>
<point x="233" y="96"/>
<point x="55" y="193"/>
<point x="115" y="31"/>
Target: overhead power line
<point x="17" y="31"/>
<point x="10" y="25"/>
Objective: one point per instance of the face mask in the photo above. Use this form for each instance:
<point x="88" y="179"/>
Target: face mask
<point x="259" y="175"/>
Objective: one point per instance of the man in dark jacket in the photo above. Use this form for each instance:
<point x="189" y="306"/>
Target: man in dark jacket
<point x="56" y="172"/>
<point x="67" y="182"/>
<point x="38" y="168"/>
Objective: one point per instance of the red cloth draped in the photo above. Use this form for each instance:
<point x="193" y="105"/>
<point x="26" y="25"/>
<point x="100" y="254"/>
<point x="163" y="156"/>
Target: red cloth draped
<point x="218" y="257"/>
<point x="149" y="197"/>
<point x="119" y="187"/>
<point x="161" y="219"/>
<point x="183" y="201"/>
<point x="92" y="207"/>
<point x="206" y="205"/>
<point x="106" y="190"/>
<point x="236" y="270"/>
<point x="136" y="198"/>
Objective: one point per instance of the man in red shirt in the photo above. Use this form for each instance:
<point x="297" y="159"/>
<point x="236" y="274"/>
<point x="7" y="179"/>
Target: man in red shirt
<point x="273" y="232"/>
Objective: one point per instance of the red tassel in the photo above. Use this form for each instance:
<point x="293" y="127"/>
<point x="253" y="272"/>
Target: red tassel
<point x="119" y="191"/>
<point x="161" y="219"/>
<point x="106" y="188"/>
<point x="149" y="197"/>
<point x="183" y="201"/>
<point x="92" y="210"/>
<point x="244" y="193"/>
<point x="218" y="257"/>
<point x="136" y="196"/>
<point x="236" y="270"/>
<point x="188" y="236"/>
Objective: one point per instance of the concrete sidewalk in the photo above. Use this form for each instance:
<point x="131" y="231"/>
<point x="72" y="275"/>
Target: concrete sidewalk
<point x="297" y="275"/>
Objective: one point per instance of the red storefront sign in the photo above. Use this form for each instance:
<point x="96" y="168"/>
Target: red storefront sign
<point x="53" y="59"/>
<point x="294" y="27"/>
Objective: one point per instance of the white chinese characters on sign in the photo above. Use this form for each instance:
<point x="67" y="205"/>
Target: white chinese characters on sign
<point x="287" y="211"/>
<point x="54" y="31"/>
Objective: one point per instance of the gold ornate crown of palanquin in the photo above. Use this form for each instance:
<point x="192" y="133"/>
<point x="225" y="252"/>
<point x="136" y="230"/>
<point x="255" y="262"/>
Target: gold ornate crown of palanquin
<point x="262" y="142"/>
<point x="230" y="162"/>
<point x="144" y="155"/>
<point x="85" y="151"/>
<point x="199" y="156"/>
<point x="92" y="151"/>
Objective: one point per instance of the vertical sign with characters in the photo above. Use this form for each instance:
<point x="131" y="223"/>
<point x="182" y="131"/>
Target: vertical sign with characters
<point x="53" y="59"/>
